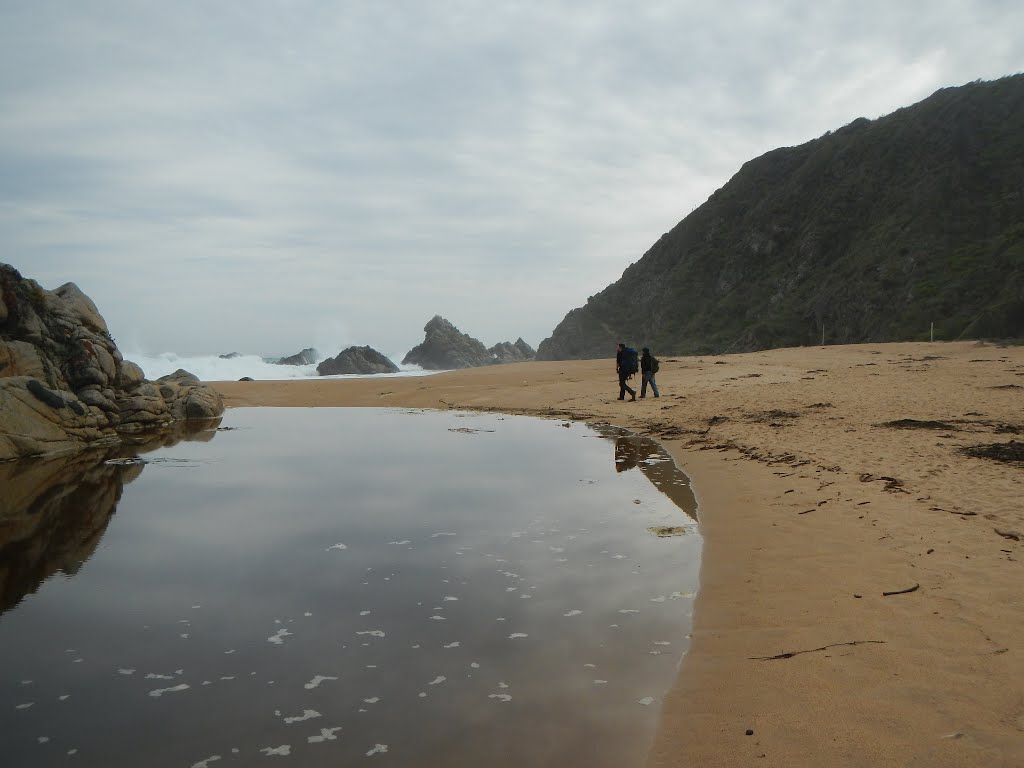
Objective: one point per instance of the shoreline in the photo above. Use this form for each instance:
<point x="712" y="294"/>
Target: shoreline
<point x="811" y="509"/>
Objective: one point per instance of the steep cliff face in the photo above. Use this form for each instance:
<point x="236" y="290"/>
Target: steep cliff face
<point x="64" y="384"/>
<point x="868" y="233"/>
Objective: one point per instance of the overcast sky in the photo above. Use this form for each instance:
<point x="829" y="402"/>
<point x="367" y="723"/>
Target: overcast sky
<point x="265" y="176"/>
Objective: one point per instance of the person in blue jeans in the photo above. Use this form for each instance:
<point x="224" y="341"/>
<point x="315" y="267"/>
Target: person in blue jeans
<point x="648" y="367"/>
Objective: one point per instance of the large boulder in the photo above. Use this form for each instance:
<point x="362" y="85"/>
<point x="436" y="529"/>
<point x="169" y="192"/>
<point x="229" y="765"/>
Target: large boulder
<point x="65" y="386"/>
<point x="361" y="360"/>
<point x="307" y="356"/>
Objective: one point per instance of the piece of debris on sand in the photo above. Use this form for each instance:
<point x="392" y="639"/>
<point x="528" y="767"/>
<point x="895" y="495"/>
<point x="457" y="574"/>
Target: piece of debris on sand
<point x="669" y="530"/>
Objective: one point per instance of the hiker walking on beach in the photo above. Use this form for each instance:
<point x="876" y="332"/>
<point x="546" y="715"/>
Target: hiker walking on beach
<point x="648" y="367"/>
<point x="625" y="365"/>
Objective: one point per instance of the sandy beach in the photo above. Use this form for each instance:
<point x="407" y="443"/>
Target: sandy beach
<point x="861" y="585"/>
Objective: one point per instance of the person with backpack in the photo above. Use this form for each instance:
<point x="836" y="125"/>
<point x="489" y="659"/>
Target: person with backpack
<point x="649" y="366"/>
<point x="626" y="366"/>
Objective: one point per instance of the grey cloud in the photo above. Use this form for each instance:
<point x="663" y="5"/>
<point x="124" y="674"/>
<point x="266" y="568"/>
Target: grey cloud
<point x="364" y="166"/>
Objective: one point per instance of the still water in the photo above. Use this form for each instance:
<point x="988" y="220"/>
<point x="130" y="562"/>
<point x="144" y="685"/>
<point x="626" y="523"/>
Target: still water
<point x="333" y="587"/>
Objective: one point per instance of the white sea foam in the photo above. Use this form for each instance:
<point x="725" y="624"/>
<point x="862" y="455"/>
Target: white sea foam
<point x="283" y="751"/>
<point x="307" y="714"/>
<point x="216" y="368"/>
<point x="278" y="637"/>
<point x="317" y="680"/>
<point x="161" y="691"/>
<point x="326" y="734"/>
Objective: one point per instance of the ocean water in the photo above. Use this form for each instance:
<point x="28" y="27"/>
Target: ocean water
<point x="215" y="368"/>
<point x="334" y="587"/>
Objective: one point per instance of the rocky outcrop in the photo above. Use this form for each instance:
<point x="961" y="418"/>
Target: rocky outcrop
<point x="445" y="347"/>
<point x="307" y="356"/>
<point x="230" y="356"/>
<point x="64" y="384"/>
<point x="507" y="352"/>
<point x="361" y="360"/>
<point x="528" y="352"/>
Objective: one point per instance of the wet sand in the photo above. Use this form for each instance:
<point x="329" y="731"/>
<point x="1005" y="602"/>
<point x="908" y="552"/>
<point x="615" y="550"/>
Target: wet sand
<point x="827" y="477"/>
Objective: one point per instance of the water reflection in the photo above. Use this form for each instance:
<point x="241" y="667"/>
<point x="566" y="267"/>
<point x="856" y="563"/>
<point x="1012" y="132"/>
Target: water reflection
<point x="55" y="510"/>
<point x="335" y="585"/>
<point x="635" y="451"/>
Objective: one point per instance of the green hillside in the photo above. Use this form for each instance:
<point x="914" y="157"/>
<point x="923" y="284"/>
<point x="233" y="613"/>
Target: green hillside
<point x="874" y="231"/>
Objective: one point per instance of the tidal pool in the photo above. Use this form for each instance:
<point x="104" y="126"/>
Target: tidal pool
<point x="331" y="587"/>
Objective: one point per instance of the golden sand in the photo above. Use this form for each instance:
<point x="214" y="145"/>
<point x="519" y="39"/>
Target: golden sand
<point x="862" y="589"/>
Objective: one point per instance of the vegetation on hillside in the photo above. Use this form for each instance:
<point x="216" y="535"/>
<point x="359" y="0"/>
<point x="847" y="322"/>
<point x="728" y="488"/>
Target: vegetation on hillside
<point x="871" y="233"/>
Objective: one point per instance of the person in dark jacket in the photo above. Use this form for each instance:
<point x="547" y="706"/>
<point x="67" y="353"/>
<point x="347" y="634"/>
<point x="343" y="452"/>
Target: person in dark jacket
<point x="647" y="373"/>
<point x="623" y="374"/>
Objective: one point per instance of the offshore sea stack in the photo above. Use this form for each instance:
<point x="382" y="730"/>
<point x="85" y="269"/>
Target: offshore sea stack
<point x="308" y="356"/>
<point x="360" y="360"/>
<point x="446" y="348"/>
<point x="65" y="386"/>
<point x="507" y="352"/>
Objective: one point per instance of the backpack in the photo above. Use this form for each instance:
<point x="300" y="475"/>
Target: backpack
<point x="630" y="362"/>
<point x="655" y="365"/>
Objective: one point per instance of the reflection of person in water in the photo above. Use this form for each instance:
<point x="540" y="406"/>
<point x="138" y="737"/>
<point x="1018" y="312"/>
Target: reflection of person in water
<point x="634" y="451"/>
<point x="627" y="453"/>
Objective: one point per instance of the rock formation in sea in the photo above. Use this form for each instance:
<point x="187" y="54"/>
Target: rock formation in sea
<point x="65" y="386"/>
<point x="507" y="352"/>
<point x="361" y="360"/>
<point x="445" y="347"/>
<point x="307" y="356"/>
<point x="230" y="356"/>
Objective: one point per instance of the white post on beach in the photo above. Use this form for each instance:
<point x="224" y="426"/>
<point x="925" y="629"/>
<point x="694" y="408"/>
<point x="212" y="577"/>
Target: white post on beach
<point x="933" y="333"/>
<point x="823" y="334"/>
